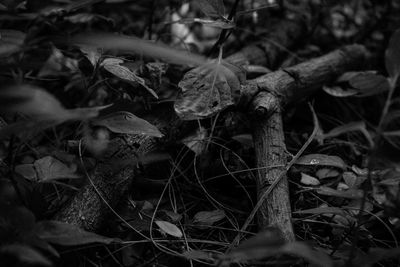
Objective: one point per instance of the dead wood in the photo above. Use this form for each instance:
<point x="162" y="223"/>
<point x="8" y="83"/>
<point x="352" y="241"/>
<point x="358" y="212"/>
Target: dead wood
<point x="278" y="89"/>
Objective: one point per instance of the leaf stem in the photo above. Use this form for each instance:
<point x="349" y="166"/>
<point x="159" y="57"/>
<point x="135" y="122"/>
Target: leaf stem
<point x="225" y="32"/>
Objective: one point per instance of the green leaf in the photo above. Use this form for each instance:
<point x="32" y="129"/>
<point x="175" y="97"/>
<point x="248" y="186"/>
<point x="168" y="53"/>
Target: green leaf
<point x="392" y="56"/>
<point x="127" y="123"/>
<point x="352" y="180"/>
<point x="93" y="54"/>
<point x="359" y="84"/>
<point x="321" y="160"/>
<point x="325" y="173"/>
<point x="211" y="8"/>
<point x="169" y="228"/>
<point x="65" y="234"/>
<point x="308" y="179"/>
<point x="369" y="84"/>
<point x="196" y="141"/>
<point x="113" y="65"/>
<point x="209" y="89"/>
<point x="338" y="91"/>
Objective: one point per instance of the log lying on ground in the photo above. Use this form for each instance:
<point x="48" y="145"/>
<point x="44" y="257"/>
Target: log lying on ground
<point x="91" y="206"/>
<point x="276" y="90"/>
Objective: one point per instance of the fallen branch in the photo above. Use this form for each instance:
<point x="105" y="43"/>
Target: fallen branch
<point x="271" y="92"/>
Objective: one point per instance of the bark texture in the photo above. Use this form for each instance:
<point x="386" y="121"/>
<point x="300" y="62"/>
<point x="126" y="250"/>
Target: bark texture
<point x="276" y="90"/>
<point x="300" y="81"/>
<point x="271" y="155"/>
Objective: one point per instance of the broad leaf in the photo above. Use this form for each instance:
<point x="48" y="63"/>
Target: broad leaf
<point x="209" y="89"/>
<point x="169" y="228"/>
<point x="392" y="56"/>
<point x="113" y="65"/>
<point x="338" y="91"/>
<point x="208" y="217"/>
<point x="175" y="217"/>
<point x="352" y="180"/>
<point x="196" y="141"/>
<point x="325" y="173"/>
<point x="127" y="123"/>
<point x="358" y="83"/>
<point x="369" y="84"/>
<point x="354" y="207"/>
<point x="93" y="54"/>
<point x="211" y="8"/>
<point x="308" y="179"/>
<point x="27" y="171"/>
<point x="321" y="160"/>
<point x="65" y="234"/>
<point x="49" y="168"/>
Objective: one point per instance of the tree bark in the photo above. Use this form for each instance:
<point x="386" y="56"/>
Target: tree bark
<point x="271" y="155"/>
<point x="278" y="89"/>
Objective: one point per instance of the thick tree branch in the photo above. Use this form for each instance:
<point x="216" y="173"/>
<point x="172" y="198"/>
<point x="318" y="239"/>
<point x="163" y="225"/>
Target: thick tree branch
<point x="278" y="89"/>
